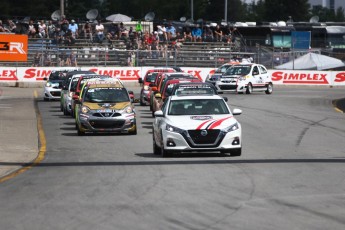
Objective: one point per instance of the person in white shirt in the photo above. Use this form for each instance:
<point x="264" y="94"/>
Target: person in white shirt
<point x="74" y="28"/>
<point x="99" y="32"/>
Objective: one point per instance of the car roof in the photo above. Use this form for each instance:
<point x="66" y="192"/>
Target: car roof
<point x="196" y="96"/>
<point x="106" y="82"/>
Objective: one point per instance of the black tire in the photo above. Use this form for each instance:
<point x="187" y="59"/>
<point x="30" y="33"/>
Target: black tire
<point x="80" y="133"/>
<point x="65" y="111"/>
<point x="156" y="149"/>
<point x="269" y="89"/>
<point x="142" y="101"/>
<point x="249" y="89"/>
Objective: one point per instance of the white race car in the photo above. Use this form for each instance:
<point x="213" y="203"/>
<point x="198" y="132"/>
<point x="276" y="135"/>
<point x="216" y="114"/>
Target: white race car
<point x="196" y="123"/>
<point x="52" y="88"/>
<point x="246" y="78"/>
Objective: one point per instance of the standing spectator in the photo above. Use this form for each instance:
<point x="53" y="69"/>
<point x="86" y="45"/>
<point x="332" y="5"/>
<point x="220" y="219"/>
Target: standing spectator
<point x="32" y="30"/>
<point x="113" y="32"/>
<point x="3" y="28"/>
<point x="73" y="59"/>
<point x="99" y="32"/>
<point x="50" y="29"/>
<point x="74" y="29"/>
<point x="197" y="34"/>
<point x="47" y="61"/>
<point x="162" y="33"/>
<point x="139" y="28"/>
<point x="42" y="29"/>
<point x="37" y="60"/>
<point x="62" y="59"/>
<point x="218" y="34"/>
<point x="64" y="23"/>
<point x="58" y="36"/>
<point x="87" y="30"/>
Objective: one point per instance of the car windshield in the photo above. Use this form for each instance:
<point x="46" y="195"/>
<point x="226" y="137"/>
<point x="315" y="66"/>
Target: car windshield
<point x="238" y="70"/>
<point x="151" y="77"/>
<point x="106" y="95"/>
<point x="57" y="76"/>
<point x="198" y="107"/>
<point x="195" y="89"/>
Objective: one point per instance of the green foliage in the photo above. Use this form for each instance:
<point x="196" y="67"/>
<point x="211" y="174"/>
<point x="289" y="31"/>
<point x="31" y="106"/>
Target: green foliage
<point x="210" y="10"/>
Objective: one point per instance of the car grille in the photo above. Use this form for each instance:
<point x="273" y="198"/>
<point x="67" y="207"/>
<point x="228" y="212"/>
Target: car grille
<point x="106" y="114"/>
<point x="107" y="124"/>
<point x="55" y="93"/>
<point x="227" y="87"/>
<point x="212" y="139"/>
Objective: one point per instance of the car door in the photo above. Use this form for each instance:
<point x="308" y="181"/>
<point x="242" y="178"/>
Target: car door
<point x="258" y="81"/>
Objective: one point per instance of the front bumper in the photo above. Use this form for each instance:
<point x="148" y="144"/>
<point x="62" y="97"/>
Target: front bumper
<point x="111" y="124"/>
<point x="52" y="93"/>
<point x="189" y="141"/>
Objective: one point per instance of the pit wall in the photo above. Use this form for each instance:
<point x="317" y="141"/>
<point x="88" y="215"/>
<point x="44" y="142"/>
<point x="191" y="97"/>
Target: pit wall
<point x="34" y="76"/>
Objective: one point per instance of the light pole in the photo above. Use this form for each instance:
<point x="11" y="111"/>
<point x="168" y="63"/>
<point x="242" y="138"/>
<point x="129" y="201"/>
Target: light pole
<point x="226" y="11"/>
<point x="192" y="9"/>
<point x="62" y="7"/>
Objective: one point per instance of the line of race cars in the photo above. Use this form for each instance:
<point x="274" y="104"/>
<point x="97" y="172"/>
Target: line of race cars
<point x="189" y="115"/>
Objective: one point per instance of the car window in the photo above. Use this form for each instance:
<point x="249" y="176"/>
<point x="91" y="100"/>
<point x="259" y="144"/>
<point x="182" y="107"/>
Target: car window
<point x="198" y="107"/>
<point x="106" y="95"/>
<point x="238" y="70"/>
<point x="262" y="69"/>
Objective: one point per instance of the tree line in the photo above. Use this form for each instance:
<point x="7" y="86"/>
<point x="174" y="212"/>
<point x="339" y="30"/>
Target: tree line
<point x="208" y="10"/>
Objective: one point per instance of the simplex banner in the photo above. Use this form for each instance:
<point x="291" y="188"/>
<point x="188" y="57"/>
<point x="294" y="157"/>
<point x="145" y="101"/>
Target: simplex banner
<point x="279" y="77"/>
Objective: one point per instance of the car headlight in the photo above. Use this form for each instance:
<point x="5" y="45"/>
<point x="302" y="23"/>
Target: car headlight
<point x="146" y="87"/>
<point x="70" y="94"/>
<point x="128" y="109"/>
<point x="173" y="129"/>
<point x="85" y="109"/>
<point x="232" y="128"/>
<point x="48" y="84"/>
<point x="243" y="78"/>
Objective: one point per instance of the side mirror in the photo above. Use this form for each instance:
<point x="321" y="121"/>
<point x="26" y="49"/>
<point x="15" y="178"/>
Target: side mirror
<point x="140" y="80"/>
<point x="225" y="99"/>
<point x="159" y="113"/>
<point x="154" y="88"/>
<point x="236" y="111"/>
<point x="158" y="95"/>
<point x="130" y="92"/>
<point x="46" y="79"/>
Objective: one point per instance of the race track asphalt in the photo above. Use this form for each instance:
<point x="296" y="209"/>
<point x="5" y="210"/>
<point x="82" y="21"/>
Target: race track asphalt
<point x="21" y="134"/>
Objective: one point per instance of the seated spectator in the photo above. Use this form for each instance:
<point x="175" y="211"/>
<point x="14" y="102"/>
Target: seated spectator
<point x="68" y="38"/>
<point x="123" y="32"/>
<point x="12" y="27"/>
<point x="208" y="35"/>
<point x="74" y="29"/>
<point x="50" y="29"/>
<point x="87" y="30"/>
<point x="37" y="60"/>
<point x="99" y="32"/>
<point x="113" y="32"/>
<point x="171" y="31"/>
<point x="47" y="61"/>
<point x="197" y="34"/>
<point x="188" y="35"/>
<point x="218" y="34"/>
<point x="42" y="29"/>
<point x="3" y="29"/>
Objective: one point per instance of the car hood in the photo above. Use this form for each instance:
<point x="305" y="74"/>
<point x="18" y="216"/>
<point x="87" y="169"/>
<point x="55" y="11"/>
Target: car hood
<point x="233" y="76"/>
<point x="192" y="122"/>
<point x="117" y="106"/>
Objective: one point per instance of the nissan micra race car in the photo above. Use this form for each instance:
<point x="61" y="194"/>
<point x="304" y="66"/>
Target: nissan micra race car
<point x="52" y="88"/>
<point x="198" y="123"/>
<point x="246" y="78"/>
<point x="103" y="106"/>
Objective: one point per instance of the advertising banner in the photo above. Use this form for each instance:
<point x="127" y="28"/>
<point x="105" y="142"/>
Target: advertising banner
<point x="13" y="47"/>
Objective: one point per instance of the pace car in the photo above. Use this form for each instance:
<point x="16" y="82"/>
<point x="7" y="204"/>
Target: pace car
<point x="246" y="78"/>
<point x="198" y="123"/>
